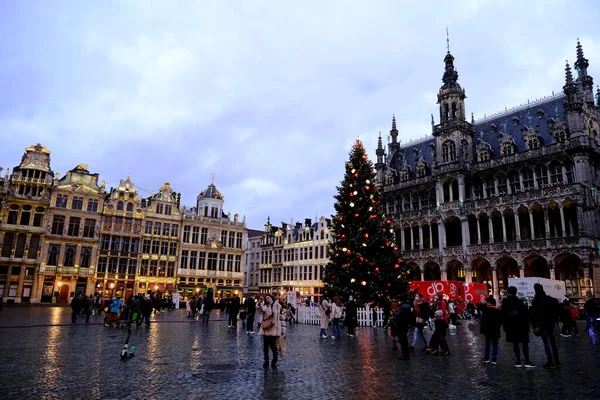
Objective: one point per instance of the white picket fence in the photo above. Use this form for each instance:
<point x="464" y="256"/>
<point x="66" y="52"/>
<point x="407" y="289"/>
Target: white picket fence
<point x="312" y="315"/>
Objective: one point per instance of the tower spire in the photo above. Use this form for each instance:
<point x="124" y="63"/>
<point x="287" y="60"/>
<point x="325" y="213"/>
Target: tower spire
<point x="568" y="75"/>
<point x="379" y="152"/>
<point x="582" y="63"/>
<point x="394" y="130"/>
<point x="598" y="96"/>
<point x="447" y="40"/>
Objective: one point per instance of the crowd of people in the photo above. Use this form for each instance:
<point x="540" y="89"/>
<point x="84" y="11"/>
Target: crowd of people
<point x="517" y="317"/>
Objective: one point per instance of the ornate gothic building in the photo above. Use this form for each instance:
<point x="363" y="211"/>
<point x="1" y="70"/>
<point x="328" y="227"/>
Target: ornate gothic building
<point x="510" y="195"/>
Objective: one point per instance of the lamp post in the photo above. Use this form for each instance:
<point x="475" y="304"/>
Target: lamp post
<point x="112" y="288"/>
<point x="58" y="297"/>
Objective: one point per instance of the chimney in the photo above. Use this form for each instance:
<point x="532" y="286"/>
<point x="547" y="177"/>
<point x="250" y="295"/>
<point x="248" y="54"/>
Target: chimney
<point x="283" y="226"/>
<point x="307" y="222"/>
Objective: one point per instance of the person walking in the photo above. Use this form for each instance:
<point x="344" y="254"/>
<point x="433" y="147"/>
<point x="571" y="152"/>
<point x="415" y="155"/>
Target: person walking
<point x="491" y="322"/>
<point x="544" y="310"/>
<point x="207" y="304"/>
<point x="336" y="315"/>
<point x="251" y="312"/>
<point x="565" y="318"/>
<point x="351" y="319"/>
<point x="515" y="321"/>
<point x="574" y="312"/>
<point x="422" y="313"/>
<point x="89" y="307"/>
<point x="591" y="308"/>
<point x="146" y="308"/>
<point x="403" y="317"/>
<point x="325" y="308"/>
<point x="270" y="329"/>
<point x="75" y="308"/>
<point x="234" y="310"/>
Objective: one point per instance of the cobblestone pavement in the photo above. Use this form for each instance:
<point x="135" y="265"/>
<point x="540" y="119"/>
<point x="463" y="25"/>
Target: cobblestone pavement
<point x="48" y="358"/>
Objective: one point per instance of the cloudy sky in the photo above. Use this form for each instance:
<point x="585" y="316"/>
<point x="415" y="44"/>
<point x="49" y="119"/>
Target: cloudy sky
<point x="267" y="95"/>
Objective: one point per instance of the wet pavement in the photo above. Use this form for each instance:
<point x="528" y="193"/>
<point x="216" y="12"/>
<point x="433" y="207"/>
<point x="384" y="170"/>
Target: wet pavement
<point x="43" y="356"/>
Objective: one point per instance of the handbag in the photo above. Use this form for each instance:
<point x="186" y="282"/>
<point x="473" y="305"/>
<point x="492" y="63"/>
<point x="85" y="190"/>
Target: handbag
<point x="419" y="320"/>
<point x="267" y="324"/>
<point x="328" y="311"/>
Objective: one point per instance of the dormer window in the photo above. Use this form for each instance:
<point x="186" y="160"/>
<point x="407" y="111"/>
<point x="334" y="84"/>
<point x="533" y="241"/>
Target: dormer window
<point x="507" y="144"/>
<point x="484" y="150"/>
<point x="532" y="137"/>
<point x="557" y="130"/>
<point x="159" y="208"/>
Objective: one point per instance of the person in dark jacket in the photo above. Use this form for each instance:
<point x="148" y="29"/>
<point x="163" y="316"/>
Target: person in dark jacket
<point x="403" y="317"/>
<point x="491" y="322"/>
<point x="565" y="318"/>
<point x="544" y="310"/>
<point x="591" y="308"/>
<point x="234" y="310"/>
<point x="515" y="320"/>
<point x="208" y="303"/>
<point x="75" y="308"/>
<point x="251" y="311"/>
<point x="351" y="320"/>
<point x="146" y="309"/>
<point x="89" y="307"/>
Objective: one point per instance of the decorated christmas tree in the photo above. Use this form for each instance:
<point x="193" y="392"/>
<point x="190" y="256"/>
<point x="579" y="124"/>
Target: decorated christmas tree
<point x="365" y="261"/>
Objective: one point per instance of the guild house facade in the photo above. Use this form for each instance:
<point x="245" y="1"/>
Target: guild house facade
<point x="511" y="195"/>
<point x="65" y="235"/>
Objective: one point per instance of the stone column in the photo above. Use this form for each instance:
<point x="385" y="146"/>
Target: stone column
<point x="532" y="225"/>
<point x="421" y="237"/>
<point x="521" y="271"/>
<point x="61" y="255"/>
<point x="422" y="275"/>
<point x="20" y="285"/>
<point x="1" y="242"/>
<point x="491" y="229"/>
<point x="562" y="220"/>
<point x="441" y="235"/>
<point x="430" y="237"/>
<point x="552" y="271"/>
<point x="27" y="243"/>
<point x="468" y="275"/>
<point x="444" y="274"/>
<point x="495" y="283"/>
<point x="503" y="227"/>
<point x="478" y="231"/>
<point x="547" y="223"/>
<point x="461" y="188"/>
<point x="438" y="193"/>
<point x="402" y="244"/>
<point x="77" y="255"/>
<point x="517" y="227"/>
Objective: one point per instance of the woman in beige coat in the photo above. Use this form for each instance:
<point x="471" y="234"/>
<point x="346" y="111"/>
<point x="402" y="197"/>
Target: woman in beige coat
<point x="324" y="306"/>
<point x="270" y="310"/>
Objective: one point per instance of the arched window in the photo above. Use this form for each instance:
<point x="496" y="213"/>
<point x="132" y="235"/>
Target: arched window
<point x="541" y="175"/>
<point x="130" y="207"/>
<point x="556" y="172"/>
<point x="448" y="151"/>
<point x="119" y="205"/>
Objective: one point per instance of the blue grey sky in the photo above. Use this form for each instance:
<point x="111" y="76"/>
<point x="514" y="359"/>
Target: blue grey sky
<point x="267" y="95"/>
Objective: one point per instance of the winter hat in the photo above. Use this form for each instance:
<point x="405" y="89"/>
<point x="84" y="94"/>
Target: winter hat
<point x="512" y="290"/>
<point x="439" y="313"/>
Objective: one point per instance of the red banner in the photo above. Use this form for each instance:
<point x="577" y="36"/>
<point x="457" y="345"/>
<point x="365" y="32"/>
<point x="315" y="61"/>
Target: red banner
<point x="476" y="292"/>
<point x="452" y="289"/>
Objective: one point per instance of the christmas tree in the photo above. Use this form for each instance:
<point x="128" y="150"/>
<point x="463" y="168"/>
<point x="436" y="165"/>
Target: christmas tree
<point x="365" y="261"/>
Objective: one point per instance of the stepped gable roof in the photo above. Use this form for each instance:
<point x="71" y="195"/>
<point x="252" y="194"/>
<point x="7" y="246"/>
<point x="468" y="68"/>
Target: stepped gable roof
<point x="534" y="115"/>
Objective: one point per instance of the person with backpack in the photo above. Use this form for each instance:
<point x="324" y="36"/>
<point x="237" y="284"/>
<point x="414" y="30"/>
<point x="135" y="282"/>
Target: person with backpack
<point x="544" y="314"/>
<point x="325" y="308"/>
<point x="515" y="320"/>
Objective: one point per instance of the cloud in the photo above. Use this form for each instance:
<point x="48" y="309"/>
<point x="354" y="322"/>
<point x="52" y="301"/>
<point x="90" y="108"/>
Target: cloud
<point x="269" y="97"/>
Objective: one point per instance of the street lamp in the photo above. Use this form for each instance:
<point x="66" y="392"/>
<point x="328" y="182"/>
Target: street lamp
<point x="112" y="287"/>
